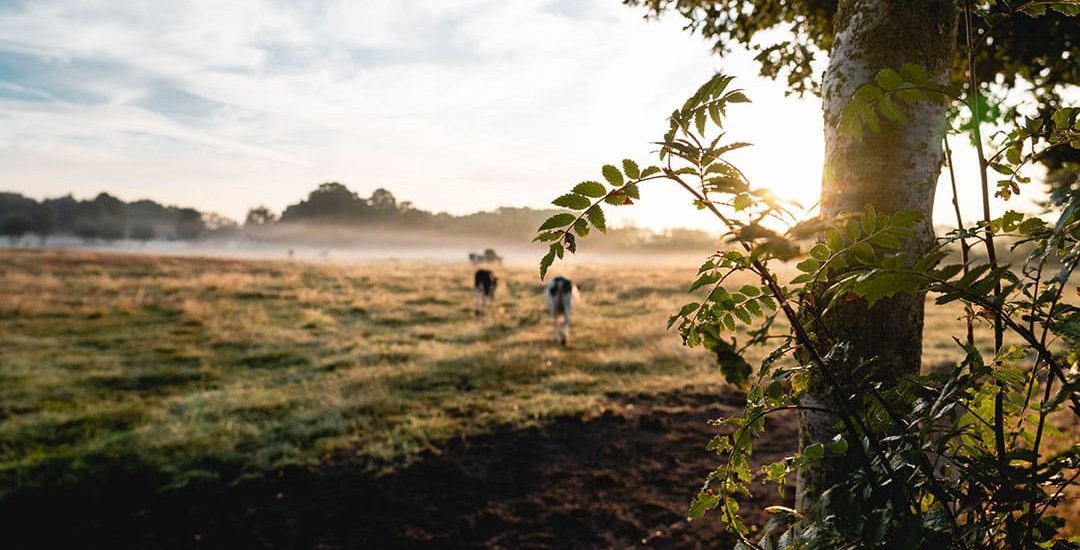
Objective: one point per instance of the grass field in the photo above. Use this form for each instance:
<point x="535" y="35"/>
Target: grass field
<point x="175" y="370"/>
<point x="184" y="368"/>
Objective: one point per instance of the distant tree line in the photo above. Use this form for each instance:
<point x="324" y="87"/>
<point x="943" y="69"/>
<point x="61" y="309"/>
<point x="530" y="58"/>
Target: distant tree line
<point x="106" y="218"/>
<point x="335" y="204"/>
<point x="103" y="218"/>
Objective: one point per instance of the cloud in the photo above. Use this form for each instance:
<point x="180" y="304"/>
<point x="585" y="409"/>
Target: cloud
<point x="455" y="105"/>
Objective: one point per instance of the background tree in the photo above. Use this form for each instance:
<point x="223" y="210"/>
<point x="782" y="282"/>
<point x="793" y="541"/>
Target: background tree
<point x="14" y="225"/>
<point x="189" y="224"/>
<point x="330" y="201"/>
<point x="44" y="221"/>
<point x="142" y="233"/>
<point x="16" y="215"/>
<point x="86" y="229"/>
<point x="260" y="215"/>
<point x="898" y="167"/>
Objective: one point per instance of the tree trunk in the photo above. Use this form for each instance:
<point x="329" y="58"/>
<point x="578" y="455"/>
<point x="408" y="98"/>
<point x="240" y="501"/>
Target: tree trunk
<point x="895" y="169"/>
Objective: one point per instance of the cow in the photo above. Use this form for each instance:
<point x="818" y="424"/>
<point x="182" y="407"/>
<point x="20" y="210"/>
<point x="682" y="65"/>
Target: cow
<point x="560" y="293"/>
<point x="484" y="281"/>
<point x="488" y="257"/>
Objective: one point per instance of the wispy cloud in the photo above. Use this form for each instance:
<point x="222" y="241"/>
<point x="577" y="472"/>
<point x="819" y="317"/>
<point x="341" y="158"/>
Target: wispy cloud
<point x="456" y="105"/>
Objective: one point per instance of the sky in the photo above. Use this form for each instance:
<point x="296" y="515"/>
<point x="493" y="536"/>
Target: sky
<point x="455" y="105"/>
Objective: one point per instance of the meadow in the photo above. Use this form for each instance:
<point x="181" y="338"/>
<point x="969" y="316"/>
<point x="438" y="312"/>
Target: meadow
<point x="167" y="372"/>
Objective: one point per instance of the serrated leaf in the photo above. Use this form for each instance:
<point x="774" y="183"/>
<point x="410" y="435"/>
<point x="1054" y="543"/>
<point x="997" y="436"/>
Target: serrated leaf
<point x="701" y="504"/>
<point x="820" y="252"/>
<point x="699" y="121"/>
<point x="581" y="227"/>
<point x="737" y="97"/>
<point x="617" y="198"/>
<point x="558" y="220"/>
<point x="592" y="189"/>
<point x="814" y="451"/>
<point x="612" y="175"/>
<point x="631" y="169"/>
<point x="808" y="265"/>
<point x="1071" y="9"/>
<point x="742" y="314"/>
<point x="572" y="201"/>
<point x="750" y="290"/>
<point x="596" y="217"/>
<point x="741" y="202"/>
<point x="650" y="171"/>
<point x="632" y="191"/>
<point x="546" y="262"/>
<point x="547" y="236"/>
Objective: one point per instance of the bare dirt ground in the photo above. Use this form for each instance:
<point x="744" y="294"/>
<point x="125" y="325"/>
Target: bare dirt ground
<point x="621" y="479"/>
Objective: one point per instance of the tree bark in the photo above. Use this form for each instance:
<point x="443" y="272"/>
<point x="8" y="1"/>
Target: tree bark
<point x="894" y="169"/>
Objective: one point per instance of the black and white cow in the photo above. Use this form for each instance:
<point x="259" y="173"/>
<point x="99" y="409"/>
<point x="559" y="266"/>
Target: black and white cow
<point x="560" y="293"/>
<point x="484" y="282"/>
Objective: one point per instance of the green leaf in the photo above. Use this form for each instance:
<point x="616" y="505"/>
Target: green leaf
<point x="742" y="314"/>
<point x="689" y="308"/>
<point x="885" y="240"/>
<point x="741" y="202"/>
<point x="870" y="119"/>
<point x="596" y="217"/>
<point x="590" y="189"/>
<point x="815" y="451"/>
<point x="750" y="290"/>
<point x="888" y="79"/>
<point x="617" y="198"/>
<point x="891" y="110"/>
<point x="701" y="504"/>
<point x="1068" y="8"/>
<point x="808" y="265"/>
<point x="631" y="191"/>
<point x="914" y="73"/>
<point x="868" y="93"/>
<point x="572" y="201"/>
<point x="737" y="97"/>
<point x="547" y="236"/>
<point x="735" y="369"/>
<point x="911" y="95"/>
<point x="558" y="220"/>
<point x="581" y="227"/>
<point x="650" y="171"/>
<point x="838" y="445"/>
<point x="820" y="252"/>
<point x="864" y="252"/>
<point x="612" y="175"/>
<point x="631" y="169"/>
<point x="834" y="239"/>
<point x="547" y="260"/>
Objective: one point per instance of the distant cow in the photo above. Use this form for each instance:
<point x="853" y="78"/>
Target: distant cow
<point x="560" y="293"/>
<point x="488" y="257"/>
<point x="484" y="282"/>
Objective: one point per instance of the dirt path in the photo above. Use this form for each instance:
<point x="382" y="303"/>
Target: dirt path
<point x="610" y="481"/>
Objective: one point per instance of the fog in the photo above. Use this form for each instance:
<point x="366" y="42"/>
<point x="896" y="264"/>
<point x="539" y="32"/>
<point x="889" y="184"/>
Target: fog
<point x="345" y="245"/>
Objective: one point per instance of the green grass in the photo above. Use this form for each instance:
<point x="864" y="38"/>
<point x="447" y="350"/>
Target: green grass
<point x="175" y="369"/>
<point x="171" y="370"/>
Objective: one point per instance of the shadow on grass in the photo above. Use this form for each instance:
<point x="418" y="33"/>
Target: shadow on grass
<point x="610" y="481"/>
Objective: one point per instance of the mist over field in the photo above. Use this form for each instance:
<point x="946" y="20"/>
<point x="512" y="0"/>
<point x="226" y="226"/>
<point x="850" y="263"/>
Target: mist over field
<point x="568" y="274"/>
